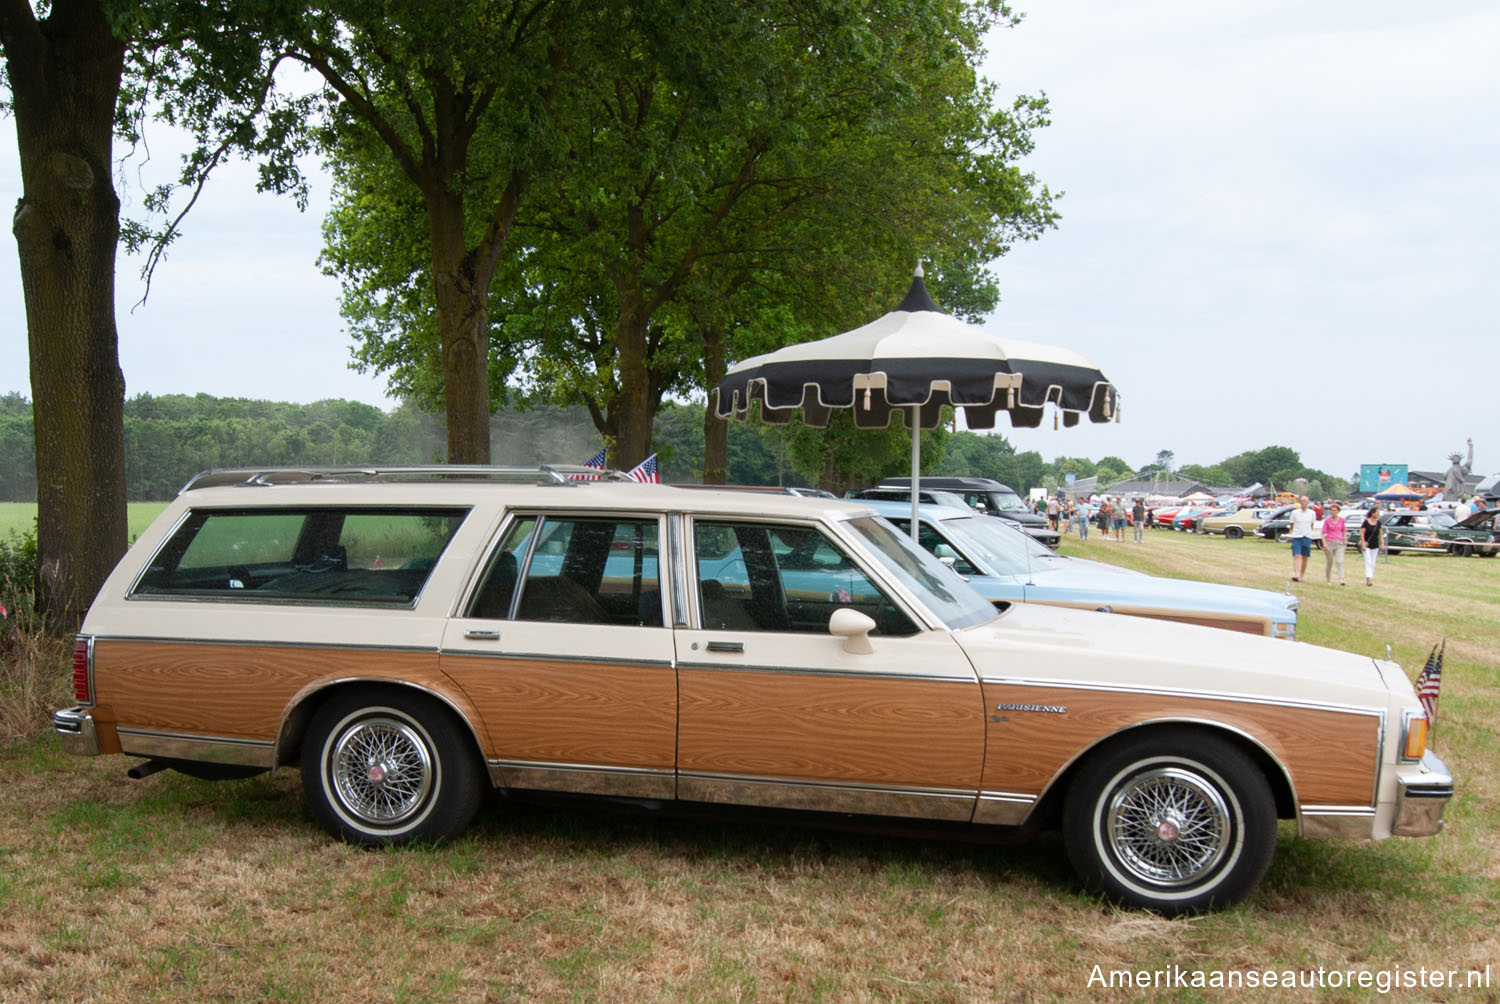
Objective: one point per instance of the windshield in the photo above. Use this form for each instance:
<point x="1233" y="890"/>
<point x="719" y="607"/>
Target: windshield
<point x="1007" y="502"/>
<point x="1000" y="546"/>
<point x="952" y="600"/>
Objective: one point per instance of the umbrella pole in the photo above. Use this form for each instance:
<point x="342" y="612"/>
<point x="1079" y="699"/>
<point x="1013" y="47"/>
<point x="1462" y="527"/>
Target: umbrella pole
<point x="916" y="466"/>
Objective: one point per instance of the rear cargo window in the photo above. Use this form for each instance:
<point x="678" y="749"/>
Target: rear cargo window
<point x="343" y="556"/>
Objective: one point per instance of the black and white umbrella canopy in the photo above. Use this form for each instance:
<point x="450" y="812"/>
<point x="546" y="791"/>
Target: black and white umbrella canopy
<point x="917" y="359"/>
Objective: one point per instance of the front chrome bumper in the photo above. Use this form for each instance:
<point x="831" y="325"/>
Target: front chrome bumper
<point x="75" y="728"/>
<point x="1421" y="799"/>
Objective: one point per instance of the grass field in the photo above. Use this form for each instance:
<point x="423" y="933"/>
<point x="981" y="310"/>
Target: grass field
<point x="20" y="517"/>
<point x="170" y="889"/>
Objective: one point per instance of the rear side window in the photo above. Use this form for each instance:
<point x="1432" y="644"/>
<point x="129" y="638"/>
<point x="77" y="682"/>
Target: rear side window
<point x="340" y="556"/>
<point x="577" y="570"/>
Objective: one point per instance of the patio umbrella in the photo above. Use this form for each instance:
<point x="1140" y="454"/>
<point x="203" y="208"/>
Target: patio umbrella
<point x="916" y="360"/>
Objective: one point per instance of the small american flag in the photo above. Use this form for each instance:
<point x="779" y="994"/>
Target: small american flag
<point x="645" y="471"/>
<point x="1430" y="681"/>
<point x="597" y="462"/>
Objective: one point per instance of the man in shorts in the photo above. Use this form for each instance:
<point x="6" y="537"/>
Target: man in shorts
<point x="1301" y="536"/>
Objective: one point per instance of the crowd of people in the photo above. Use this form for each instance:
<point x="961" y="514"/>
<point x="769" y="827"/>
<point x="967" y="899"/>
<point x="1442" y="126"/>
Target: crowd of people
<point x="1114" y="514"/>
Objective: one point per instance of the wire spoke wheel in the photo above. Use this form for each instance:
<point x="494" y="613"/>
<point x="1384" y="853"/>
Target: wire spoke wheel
<point x="381" y="766"/>
<point x="1168" y="826"/>
<point x="1175" y="820"/>
<point x="382" y="770"/>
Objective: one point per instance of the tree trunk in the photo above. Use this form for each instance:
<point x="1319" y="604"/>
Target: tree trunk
<point x="65" y="77"/>
<point x="634" y="410"/>
<point x="715" y="429"/>
<point x="463" y="321"/>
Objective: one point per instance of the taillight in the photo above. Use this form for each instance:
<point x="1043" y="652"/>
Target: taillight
<point x="83" y="658"/>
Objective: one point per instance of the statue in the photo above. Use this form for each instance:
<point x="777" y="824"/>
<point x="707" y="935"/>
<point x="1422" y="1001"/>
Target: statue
<point x="1453" y="481"/>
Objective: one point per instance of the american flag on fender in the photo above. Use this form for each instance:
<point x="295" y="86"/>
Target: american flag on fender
<point x="596" y="461"/>
<point x="1430" y="681"/>
<point x="646" y="471"/>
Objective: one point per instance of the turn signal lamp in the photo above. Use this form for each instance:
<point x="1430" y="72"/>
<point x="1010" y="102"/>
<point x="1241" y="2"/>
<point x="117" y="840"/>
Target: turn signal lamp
<point x="1416" y="737"/>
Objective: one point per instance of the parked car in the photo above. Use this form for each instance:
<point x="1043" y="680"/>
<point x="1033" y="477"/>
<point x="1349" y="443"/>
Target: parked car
<point x="944" y="494"/>
<point x="1235" y="525"/>
<point x="985" y="495"/>
<point x="1276" y="526"/>
<point x="1478" y="534"/>
<point x="1006" y="567"/>
<point x="1417" y="531"/>
<point x="412" y="638"/>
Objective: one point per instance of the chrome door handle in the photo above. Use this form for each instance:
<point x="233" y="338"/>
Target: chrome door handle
<point x="726" y="646"/>
<point x="478" y="635"/>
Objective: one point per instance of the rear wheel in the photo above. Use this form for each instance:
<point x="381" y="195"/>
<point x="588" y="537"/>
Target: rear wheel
<point x="384" y="767"/>
<point x="1173" y="821"/>
<point x="1233" y="532"/>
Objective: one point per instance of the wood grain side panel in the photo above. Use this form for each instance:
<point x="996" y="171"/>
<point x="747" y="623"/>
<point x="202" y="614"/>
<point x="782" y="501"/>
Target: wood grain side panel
<point x="233" y="691"/>
<point x="1329" y="755"/>
<point x="607" y="714"/>
<point x="855" y="729"/>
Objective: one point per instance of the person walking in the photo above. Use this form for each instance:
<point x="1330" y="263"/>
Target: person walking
<point x="1085" y="513"/>
<point x="1370" y="534"/>
<point x="1301" y="536"/>
<point x="1120" y="511"/>
<point x="1106" y="516"/>
<point x="1052" y="511"/>
<point x="1334" y="542"/>
<point x="1138" y="518"/>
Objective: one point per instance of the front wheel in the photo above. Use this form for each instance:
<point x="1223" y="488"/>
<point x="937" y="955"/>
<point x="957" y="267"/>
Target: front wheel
<point x="389" y="768"/>
<point x="1174" y="822"/>
<point x="1233" y="532"/>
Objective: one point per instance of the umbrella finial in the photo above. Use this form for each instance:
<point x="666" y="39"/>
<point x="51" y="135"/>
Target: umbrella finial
<point x="917" y="298"/>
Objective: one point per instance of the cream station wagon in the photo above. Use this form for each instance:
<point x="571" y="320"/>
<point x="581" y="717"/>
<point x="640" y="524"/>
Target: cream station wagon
<point x="413" y="637"/>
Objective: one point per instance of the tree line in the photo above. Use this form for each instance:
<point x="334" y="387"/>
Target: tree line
<point x="169" y="438"/>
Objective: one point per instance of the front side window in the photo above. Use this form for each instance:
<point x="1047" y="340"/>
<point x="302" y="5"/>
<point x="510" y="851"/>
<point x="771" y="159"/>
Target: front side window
<point x="350" y="556"/>
<point x="773" y="577"/>
<point x="578" y="570"/>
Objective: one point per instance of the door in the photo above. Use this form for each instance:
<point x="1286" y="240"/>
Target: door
<point x="775" y="710"/>
<point x="564" y="650"/>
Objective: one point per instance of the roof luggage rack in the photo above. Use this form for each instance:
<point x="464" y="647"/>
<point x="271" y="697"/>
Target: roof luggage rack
<point x="261" y="477"/>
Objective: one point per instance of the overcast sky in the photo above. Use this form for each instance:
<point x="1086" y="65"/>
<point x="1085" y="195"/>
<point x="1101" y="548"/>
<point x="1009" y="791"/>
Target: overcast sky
<point x="1279" y="228"/>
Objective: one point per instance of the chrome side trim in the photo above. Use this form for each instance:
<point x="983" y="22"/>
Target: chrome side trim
<point x="208" y="749"/>
<point x="1209" y="695"/>
<point x="303" y="696"/>
<point x="1336" y="822"/>
<point x="740" y="667"/>
<point x="454" y="653"/>
<point x="1209" y="722"/>
<point x="1004" y="808"/>
<point x="949" y="804"/>
<point x="263" y="643"/>
<point x="75" y="730"/>
<point x="587" y="779"/>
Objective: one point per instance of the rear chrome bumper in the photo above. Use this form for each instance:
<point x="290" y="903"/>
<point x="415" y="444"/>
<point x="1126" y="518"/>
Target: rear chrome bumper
<point x="1421" y="799"/>
<point x="75" y="728"/>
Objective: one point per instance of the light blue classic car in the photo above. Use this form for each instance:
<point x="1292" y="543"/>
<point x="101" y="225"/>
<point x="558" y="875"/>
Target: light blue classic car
<point x="1007" y="567"/>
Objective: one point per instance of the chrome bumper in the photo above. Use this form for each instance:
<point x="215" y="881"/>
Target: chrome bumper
<point x="75" y="728"/>
<point x="1421" y="799"/>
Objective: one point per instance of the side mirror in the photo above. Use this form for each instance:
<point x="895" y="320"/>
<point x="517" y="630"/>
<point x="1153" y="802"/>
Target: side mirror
<point x="854" y="627"/>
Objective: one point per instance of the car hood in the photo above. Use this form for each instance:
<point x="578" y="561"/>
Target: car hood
<point x="1068" y="583"/>
<point x="1078" y="647"/>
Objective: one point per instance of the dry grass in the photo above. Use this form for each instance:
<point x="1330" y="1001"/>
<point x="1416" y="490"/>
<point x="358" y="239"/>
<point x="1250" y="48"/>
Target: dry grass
<point x="171" y="889"/>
